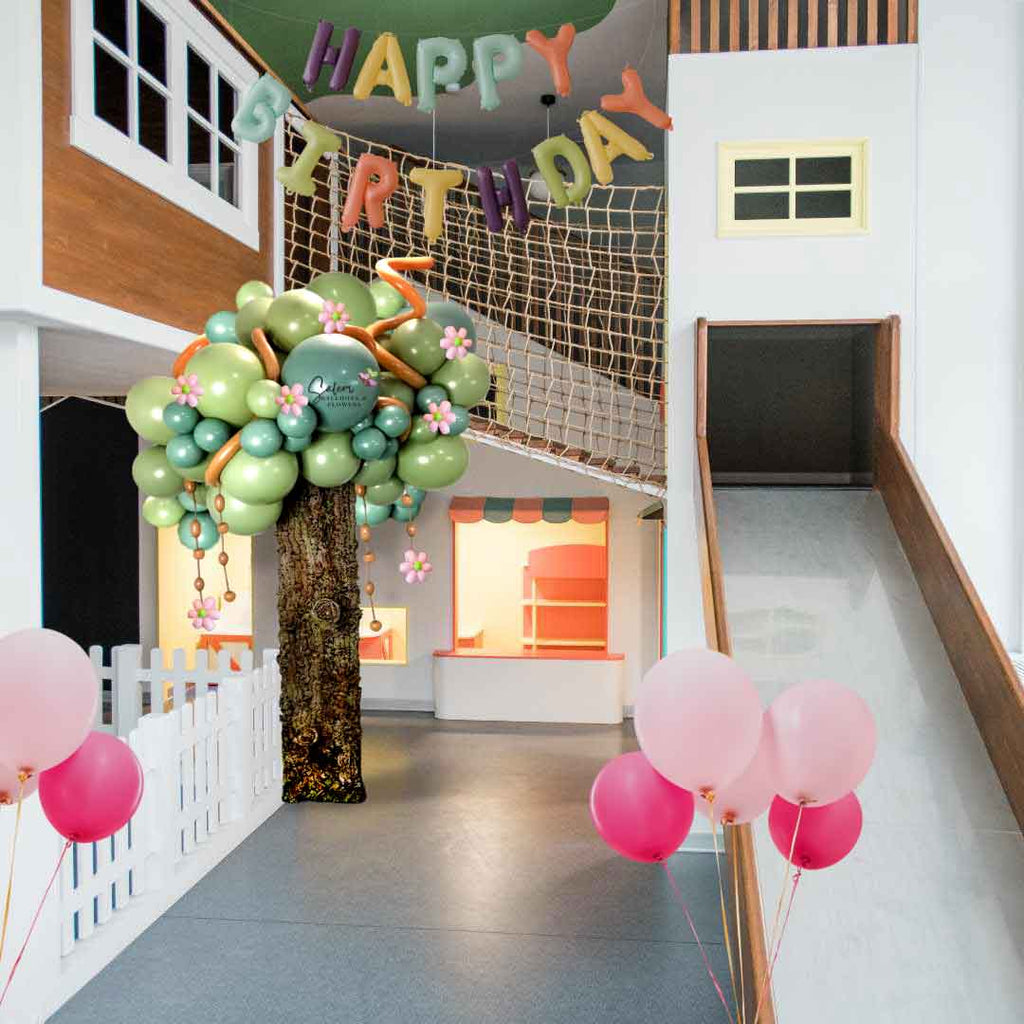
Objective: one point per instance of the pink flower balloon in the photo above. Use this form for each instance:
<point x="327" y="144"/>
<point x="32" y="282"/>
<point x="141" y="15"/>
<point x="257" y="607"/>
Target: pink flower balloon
<point x="826" y="833"/>
<point x="698" y="719"/>
<point x="823" y="741"/>
<point x="747" y="797"/>
<point x="48" y="694"/>
<point x="95" y="791"/>
<point x="10" y="784"/>
<point x="639" y="814"/>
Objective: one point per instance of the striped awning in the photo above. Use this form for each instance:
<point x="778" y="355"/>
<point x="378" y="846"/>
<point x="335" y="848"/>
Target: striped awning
<point x="529" y="510"/>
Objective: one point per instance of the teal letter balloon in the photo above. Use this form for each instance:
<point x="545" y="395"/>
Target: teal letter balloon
<point x="489" y="71"/>
<point x="429" y="73"/>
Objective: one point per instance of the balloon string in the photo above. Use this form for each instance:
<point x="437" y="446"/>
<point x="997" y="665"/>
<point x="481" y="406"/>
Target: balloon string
<point x="710" y="798"/>
<point x="775" y="955"/>
<point x="700" y="945"/>
<point x="22" y="776"/>
<point x="739" y="932"/>
<point x="35" y="919"/>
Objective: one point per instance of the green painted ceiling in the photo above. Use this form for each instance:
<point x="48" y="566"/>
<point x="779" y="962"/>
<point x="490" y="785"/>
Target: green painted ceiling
<point x="281" y="30"/>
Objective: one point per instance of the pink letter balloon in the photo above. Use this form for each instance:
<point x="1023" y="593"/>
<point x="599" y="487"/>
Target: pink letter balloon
<point x="95" y="791"/>
<point x="698" y="719"/>
<point x="826" y="834"/>
<point x="824" y="741"/>
<point x="748" y="796"/>
<point x="48" y="695"/>
<point x="638" y="813"/>
<point x="10" y="784"/>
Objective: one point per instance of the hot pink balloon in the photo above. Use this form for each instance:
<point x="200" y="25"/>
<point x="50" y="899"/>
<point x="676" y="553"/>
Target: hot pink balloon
<point x="698" y="719"/>
<point x="826" y="833"/>
<point x="9" y="785"/>
<point x="748" y="796"/>
<point x="48" y="694"/>
<point x="95" y="791"/>
<point x="638" y="813"/>
<point x="824" y="741"/>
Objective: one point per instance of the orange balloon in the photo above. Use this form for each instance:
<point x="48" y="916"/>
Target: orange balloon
<point x="369" y="194"/>
<point x="633" y="100"/>
<point x="556" y="52"/>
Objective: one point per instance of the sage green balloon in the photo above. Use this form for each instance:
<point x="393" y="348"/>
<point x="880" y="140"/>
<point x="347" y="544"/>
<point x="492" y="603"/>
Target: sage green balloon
<point x="387" y="299"/>
<point x="220" y="328"/>
<point x="391" y="387"/>
<point x="261" y="438"/>
<point x="418" y="343"/>
<point x="144" y="406"/>
<point x="154" y="475"/>
<point x="261" y="399"/>
<point x="185" y="499"/>
<point x="435" y="465"/>
<point x="329" y="461"/>
<point x="246" y="518"/>
<point x="250" y="316"/>
<point x="301" y="423"/>
<point x="252" y="290"/>
<point x="225" y="374"/>
<point x="297" y="444"/>
<point x="294" y="316"/>
<point x="358" y="299"/>
<point x="376" y="472"/>
<point x="182" y="419"/>
<point x="385" y="493"/>
<point x="371" y="515"/>
<point x="260" y="481"/>
<point x="369" y="444"/>
<point x="212" y="434"/>
<point x="420" y="433"/>
<point x="183" y="452"/>
<point x="161" y="512"/>
<point x="451" y="314"/>
<point x="431" y="393"/>
<point x="392" y="420"/>
<point x="208" y="534"/>
<point x="467" y="380"/>
<point x="460" y="423"/>
<point x="196" y="473"/>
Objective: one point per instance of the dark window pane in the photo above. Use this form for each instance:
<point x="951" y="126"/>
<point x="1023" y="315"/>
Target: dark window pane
<point x="200" y="153"/>
<point x="227" y="173"/>
<point x="152" y="44"/>
<point x="762" y="172"/>
<point x="822" y="204"/>
<point x="762" y="205"/>
<point x="152" y="119"/>
<point x="110" y="19"/>
<point x="225" y="105"/>
<point x="824" y="170"/>
<point x="198" y="84"/>
<point x="111" y="89"/>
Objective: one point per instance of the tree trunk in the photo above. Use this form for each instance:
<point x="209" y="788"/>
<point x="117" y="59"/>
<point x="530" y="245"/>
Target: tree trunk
<point x="318" y="616"/>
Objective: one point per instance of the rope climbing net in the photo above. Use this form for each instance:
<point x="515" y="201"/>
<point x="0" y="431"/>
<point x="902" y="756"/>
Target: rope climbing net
<point x="569" y="314"/>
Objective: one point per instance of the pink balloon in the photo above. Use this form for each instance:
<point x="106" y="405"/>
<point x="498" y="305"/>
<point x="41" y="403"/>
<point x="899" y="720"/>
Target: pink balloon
<point x="9" y="784"/>
<point x="826" y="834"/>
<point x="95" y="791"/>
<point x="698" y="719"/>
<point x="748" y="796"/>
<point x="638" y="813"/>
<point x="823" y="740"/>
<point x="48" y="694"/>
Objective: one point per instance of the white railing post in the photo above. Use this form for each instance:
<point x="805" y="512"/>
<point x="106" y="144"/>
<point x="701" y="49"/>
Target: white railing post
<point x="236" y="696"/>
<point x="125" y="691"/>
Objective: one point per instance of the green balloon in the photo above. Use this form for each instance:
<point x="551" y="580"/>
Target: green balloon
<point x="460" y="423"/>
<point x="466" y="380"/>
<point x="431" y="393"/>
<point x="392" y="448"/>
<point x="362" y="425"/>
<point x="420" y="433"/>
<point x="297" y="444"/>
<point x="260" y="481"/>
<point x="220" y="328"/>
<point x="299" y="424"/>
<point x="252" y="290"/>
<point x="181" y="419"/>
<point x="435" y="465"/>
<point x="391" y="387"/>
<point x="225" y="374"/>
<point x="160" y="512"/>
<point x="358" y="299"/>
<point x="261" y="438"/>
<point x="183" y="452"/>
<point x="387" y="299"/>
<point x="185" y="499"/>
<point x="376" y="472"/>
<point x="250" y="316"/>
<point x="196" y="473"/>
<point x="329" y="367"/>
<point x="144" y="406"/>
<point x="154" y="475"/>
<point x="451" y="314"/>
<point x="418" y="343"/>
<point x="246" y="518"/>
<point x="371" y="515"/>
<point x="329" y="461"/>
<point x="392" y="420"/>
<point x="207" y="534"/>
<point x="212" y="434"/>
<point x="385" y="493"/>
<point x="369" y="444"/>
<point x="294" y="316"/>
<point x="416" y="493"/>
<point x="261" y="399"/>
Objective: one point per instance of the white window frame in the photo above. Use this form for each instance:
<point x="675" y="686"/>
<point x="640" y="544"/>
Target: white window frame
<point x="730" y="152"/>
<point x="185" y="27"/>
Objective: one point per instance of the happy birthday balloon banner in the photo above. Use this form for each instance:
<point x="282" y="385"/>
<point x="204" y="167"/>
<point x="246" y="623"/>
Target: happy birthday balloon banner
<point x="441" y="62"/>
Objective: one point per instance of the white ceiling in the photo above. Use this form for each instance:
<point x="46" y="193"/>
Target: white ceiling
<point x="85" y="363"/>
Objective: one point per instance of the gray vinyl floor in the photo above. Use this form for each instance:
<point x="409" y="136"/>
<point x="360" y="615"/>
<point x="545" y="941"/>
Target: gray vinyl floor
<point x="469" y="888"/>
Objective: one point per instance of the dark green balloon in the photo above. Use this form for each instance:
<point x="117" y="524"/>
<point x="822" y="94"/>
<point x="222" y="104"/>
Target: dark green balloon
<point x="208" y="530"/>
<point x="260" y="481"/>
<point x="391" y="387"/>
<point x="367" y="421"/>
<point x="460" y="423"/>
<point x="297" y="444"/>
<point x="416" y="493"/>
<point x="299" y="424"/>
<point x="392" y="420"/>
<point x="451" y="314"/>
<point x="329" y="461"/>
<point x="466" y="380"/>
<point x="328" y="366"/>
<point x="252" y="314"/>
<point x="392" y="448"/>
<point x="358" y="299"/>
<point x="154" y="475"/>
<point x="385" y="493"/>
<point x="182" y="419"/>
<point x="404" y="513"/>
<point x="418" y="343"/>
<point x="186" y="500"/>
<point x="376" y="472"/>
<point x="211" y="434"/>
<point x="387" y="299"/>
<point x="435" y="465"/>
<point x="371" y="515"/>
<point x="220" y="328"/>
<point x="161" y="512"/>
<point x="369" y="444"/>
<point x="252" y="290"/>
<point x="183" y="452"/>
<point x="431" y="393"/>
<point x="293" y="317"/>
<point x="261" y="438"/>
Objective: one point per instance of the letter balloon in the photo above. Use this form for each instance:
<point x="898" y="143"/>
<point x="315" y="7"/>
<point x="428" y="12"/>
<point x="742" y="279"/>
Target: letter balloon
<point x="496" y="58"/>
<point x="362" y="193"/>
<point x="511" y="194"/>
<point x="430" y="73"/>
<point x="298" y="178"/>
<point x="556" y="52"/>
<point x="266" y="101"/>
<point x="544" y="154"/>
<point x="338" y="58"/>
<point x="435" y="185"/>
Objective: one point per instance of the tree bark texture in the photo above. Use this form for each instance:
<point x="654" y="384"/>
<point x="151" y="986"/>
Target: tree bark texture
<point x="318" y="616"/>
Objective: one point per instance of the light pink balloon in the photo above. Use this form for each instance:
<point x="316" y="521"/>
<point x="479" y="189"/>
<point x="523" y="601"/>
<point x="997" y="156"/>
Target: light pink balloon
<point x="9" y="784"/>
<point x="48" y="694"/>
<point x="698" y="719"/>
<point x="823" y="739"/>
<point x="825" y="836"/>
<point x="748" y="796"/>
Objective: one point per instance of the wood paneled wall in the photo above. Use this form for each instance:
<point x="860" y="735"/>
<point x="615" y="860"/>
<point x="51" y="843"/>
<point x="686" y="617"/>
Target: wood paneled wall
<point x="110" y="239"/>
